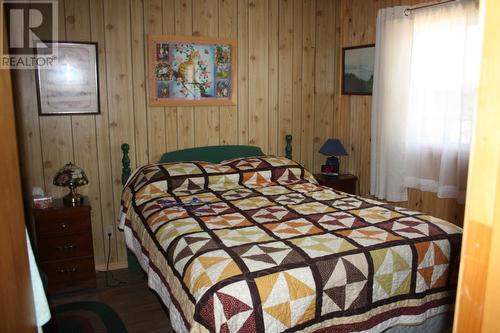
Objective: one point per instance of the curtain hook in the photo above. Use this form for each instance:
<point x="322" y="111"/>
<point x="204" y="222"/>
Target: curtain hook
<point x="407" y="12"/>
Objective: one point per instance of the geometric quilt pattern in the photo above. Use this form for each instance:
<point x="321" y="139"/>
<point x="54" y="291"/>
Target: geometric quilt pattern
<point x="271" y="214"/>
<point x="337" y="220"/>
<point x="433" y="262"/>
<point x="207" y="269"/>
<point x="263" y="256"/>
<point x="393" y="271"/>
<point x="410" y="227"/>
<point x="257" y="245"/>
<point x="288" y="298"/>
<point x="376" y="214"/>
<point x="367" y="236"/>
<point x="292" y="228"/>
<point x="225" y="221"/>
<point x="322" y="245"/>
<point x="344" y="283"/>
<point x="185" y="248"/>
<point x="230" y="309"/>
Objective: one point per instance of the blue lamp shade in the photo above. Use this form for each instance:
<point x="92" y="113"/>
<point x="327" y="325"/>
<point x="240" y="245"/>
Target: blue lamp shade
<point x="332" y="148"/>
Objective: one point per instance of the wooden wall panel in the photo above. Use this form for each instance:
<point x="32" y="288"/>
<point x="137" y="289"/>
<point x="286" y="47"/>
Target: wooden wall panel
<point x="325" y="77"/>
<point x="119" y="94"/>
<point x="77" y="14"/>
<point x="257" y="73"/>
<point x="308" y="82"/>
<point x="243" y="46"/>
<point x="282" y="45"/>
<point x="228" y="28"/>
<point x="297" y="51"/>
<point x="352" y="117"/>
<point x="137" y="45"/>
<point x="273" y="76"/>
<point x="107" y="203"/>
<point x="285" y="67"/>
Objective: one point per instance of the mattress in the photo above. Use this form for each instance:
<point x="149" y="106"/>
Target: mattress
<point x="255" y="244"/>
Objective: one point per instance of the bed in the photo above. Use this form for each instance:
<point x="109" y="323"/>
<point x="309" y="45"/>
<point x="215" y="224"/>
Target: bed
<point x="233" y="240"/>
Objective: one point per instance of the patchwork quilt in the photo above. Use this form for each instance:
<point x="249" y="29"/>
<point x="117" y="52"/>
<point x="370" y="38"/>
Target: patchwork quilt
<point x="255" y="244"/>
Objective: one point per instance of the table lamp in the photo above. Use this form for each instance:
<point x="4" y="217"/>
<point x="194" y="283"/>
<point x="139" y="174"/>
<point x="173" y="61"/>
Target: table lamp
<point x="71" y="176"/>
<point x="332" y="148"/>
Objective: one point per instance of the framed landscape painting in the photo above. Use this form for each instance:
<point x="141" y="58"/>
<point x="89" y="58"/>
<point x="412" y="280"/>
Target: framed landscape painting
<point x="190" y="71"/>
<point x="357" y="69"/>
<point x="70" y="86"/>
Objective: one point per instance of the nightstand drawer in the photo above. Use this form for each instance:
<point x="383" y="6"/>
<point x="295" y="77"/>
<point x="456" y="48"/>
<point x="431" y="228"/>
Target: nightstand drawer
<point x="65" y="247"/>
<point x="344" y="182"/>
<point x="59" y="272"/>
<point x="63" y="224"/>
<point x="63" y="238"/>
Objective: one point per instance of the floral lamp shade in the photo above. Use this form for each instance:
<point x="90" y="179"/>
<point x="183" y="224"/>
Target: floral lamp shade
<point x="71" y="176"/>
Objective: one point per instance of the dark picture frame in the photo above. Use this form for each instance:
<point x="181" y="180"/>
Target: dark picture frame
<point x="357" y="69"/>
<point x="70" y="86"/>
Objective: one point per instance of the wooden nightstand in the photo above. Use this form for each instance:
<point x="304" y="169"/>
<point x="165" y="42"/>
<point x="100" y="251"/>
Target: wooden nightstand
<point x="345" y="183"/>
<point x="63" y="242"/>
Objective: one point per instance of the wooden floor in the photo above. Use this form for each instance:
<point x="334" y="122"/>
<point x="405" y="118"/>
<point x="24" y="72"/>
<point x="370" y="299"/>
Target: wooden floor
<point x="137" y="305"/>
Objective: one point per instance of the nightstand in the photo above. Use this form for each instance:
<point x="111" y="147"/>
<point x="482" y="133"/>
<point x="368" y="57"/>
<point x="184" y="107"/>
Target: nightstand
<point x="62" y="238"/>
<point x="345" y="183"/>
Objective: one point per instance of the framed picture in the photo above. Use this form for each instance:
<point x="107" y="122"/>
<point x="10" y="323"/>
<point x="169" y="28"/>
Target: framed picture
<point x="357" y="69"/>
<point x="190" y="71"/>
<point x="70" y="86"/>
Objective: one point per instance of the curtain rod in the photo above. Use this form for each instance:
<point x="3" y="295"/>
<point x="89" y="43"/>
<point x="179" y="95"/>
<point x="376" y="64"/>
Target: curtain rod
<point x="410" y="9"/>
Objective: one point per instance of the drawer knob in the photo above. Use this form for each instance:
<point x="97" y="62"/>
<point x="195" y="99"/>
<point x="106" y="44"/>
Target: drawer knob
<point x="67" y="270"/>
<point x="66" y="247"/>
<point x="63" y="226"/>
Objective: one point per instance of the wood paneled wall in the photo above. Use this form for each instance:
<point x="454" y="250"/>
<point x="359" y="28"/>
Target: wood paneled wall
<point x="287" y="58"/>
<point x="352" y="118"/>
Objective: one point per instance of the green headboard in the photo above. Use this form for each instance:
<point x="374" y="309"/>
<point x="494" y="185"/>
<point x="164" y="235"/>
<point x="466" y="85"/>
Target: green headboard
<point x="214" y="154"/>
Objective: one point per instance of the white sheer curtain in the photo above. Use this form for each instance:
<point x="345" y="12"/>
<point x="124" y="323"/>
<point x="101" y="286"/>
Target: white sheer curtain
<point x="426" y="74"/>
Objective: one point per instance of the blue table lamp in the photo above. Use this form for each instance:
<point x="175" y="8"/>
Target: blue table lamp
<point x="332" y="148"/>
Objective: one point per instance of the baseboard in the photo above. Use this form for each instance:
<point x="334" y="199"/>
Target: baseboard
<point x="112" y="266"/>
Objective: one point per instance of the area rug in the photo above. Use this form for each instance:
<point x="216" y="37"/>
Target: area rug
<point x="87" y="317"/>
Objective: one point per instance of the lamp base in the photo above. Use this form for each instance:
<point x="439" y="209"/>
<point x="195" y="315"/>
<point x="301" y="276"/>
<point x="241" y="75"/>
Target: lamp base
<point x="72" y="199"/>
<point x="332" y="167"/>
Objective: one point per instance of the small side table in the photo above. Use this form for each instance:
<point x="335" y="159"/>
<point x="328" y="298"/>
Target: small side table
<point x="62" y="237"/>
<point x="344" y="182"/>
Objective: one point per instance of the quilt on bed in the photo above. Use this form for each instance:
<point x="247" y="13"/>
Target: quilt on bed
<point x="256" y="244"/>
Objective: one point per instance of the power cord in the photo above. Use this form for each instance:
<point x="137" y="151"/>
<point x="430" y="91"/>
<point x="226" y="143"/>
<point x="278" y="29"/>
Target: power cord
<point x="116" y="282"/>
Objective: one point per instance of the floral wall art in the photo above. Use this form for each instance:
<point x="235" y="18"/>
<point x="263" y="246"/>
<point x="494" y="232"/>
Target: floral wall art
<point x="185" y="70"/>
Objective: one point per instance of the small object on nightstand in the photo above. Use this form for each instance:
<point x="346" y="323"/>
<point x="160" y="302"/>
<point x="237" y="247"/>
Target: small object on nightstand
<point x="63" y="245"/>
<point x="332" y="148"/>
<point x="41" y="200"/>
<point x="71" y="176"/>
<point x="343" y="182"/>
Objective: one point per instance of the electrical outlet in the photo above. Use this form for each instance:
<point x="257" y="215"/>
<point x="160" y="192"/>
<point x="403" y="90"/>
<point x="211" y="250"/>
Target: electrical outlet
<point x="109" y="230"/>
